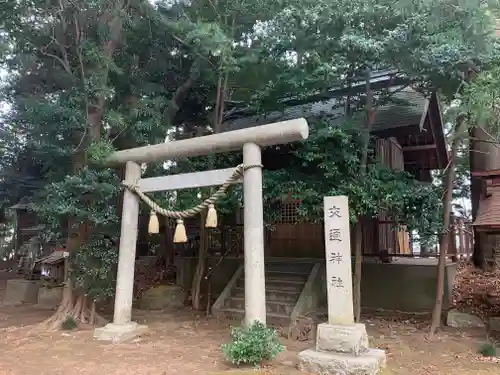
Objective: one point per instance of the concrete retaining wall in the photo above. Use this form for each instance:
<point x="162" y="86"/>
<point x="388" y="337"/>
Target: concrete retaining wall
<point x="406" y="285"/>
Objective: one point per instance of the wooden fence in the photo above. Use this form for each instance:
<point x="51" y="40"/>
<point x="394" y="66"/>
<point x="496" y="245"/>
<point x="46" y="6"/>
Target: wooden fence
<point x="461" y="240"/>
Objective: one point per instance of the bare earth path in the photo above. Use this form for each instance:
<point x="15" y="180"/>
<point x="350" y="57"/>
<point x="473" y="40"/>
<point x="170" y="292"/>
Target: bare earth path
<point x="184" y="343"/>
<point x="181" y="343"/>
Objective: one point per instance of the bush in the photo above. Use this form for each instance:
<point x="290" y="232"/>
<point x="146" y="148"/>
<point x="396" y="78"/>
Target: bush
<point x="488" y="349"/>
<point x="69" y="324"/>
<point x="252" y="345"/>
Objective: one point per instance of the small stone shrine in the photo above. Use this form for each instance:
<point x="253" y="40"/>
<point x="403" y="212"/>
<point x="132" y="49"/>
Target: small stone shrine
<point x="341" y="344"/>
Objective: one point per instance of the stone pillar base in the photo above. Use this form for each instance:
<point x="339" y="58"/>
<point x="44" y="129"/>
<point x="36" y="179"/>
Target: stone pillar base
<point x="331" y="363"/>
<point x="342" y="349"/>
<point x="118" y="333"/>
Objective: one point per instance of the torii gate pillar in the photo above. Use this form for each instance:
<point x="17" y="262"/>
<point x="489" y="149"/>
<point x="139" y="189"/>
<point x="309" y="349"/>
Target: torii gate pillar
<point x="253" y="236"/>
<point x="251" y="140"/>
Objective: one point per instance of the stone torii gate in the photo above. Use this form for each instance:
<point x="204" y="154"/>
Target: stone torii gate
<point x="251" y="140"/>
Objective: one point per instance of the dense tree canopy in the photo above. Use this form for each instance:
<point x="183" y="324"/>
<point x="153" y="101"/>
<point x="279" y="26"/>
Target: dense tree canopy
<point x="89" y="77"/>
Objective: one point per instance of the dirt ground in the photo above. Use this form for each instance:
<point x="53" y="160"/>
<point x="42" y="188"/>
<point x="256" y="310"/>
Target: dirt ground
<point x="185" y="342"/>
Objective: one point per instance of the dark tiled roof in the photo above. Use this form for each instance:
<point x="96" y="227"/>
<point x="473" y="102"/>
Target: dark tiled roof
<point x="56" y="257"/>
<point x="23" y="204"/>
<point x="35" y="229"/>
<point x="407" y="108"/>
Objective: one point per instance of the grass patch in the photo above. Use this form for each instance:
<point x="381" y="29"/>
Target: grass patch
<point x="488" y="349"/>
<point x="69" y="324"/>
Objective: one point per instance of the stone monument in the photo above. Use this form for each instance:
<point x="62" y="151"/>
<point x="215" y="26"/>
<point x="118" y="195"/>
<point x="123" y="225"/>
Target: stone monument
<point x="341" y="345"/>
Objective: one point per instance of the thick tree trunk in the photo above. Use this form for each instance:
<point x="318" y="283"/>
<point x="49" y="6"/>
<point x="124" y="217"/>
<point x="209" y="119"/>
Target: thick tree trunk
<point x="74" y="305"/>
<point x="444" y="242"/>
<point x="358" y="232"/>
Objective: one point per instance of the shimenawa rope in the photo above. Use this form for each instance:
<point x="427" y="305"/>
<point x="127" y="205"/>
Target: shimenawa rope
<point x="180" y="231"/>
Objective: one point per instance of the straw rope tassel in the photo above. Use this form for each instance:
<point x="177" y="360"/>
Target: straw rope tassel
<point x="180" y="232"/>
<point x="154" y="224"/>
<point x="211" y="221"/>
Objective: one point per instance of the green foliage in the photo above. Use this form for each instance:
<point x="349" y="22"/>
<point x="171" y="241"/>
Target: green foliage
<point x="479" y="98"/>
<point x="487" y="349"/>
<point x="94" y="266"/>
<point x="311" y="174"/>
<point x="87" y="198"/>
<point x="69" y="324"/>
<point x="429" y="40"/>
<point x="252" y="345"/>
<point x="84" y="196"/>
<point x="97" y="152"/>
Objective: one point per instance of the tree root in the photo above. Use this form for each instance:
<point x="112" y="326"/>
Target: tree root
<point x="76" y="309"/>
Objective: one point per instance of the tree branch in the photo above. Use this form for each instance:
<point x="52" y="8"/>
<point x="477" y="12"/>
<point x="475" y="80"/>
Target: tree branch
<point x="63" y="61"/>
<point x="78" y="35"/>
<point x="181" y="94"/>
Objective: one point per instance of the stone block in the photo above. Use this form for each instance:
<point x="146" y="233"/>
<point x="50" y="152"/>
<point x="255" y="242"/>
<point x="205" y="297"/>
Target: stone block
<point x="162" y="297"/>
<point x="49" y="298"/>
<point x="494" y="324"/>
<point x="457" y="319"/>
<point x="118" y="333"/>
<point x="18" y="291"/>
<point x="342" y="338"/>
<point x="328" y="363"/>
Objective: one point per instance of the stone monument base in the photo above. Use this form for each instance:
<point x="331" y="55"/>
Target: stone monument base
<point x="117" y="333"/>
<point x="367" y="363"/>
<point x="342" y="349"/>
<point x="19" y="291"/>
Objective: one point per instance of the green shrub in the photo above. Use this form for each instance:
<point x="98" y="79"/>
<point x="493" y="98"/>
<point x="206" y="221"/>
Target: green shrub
<point x="251" y="345"/>
<point x="69" y="324"/>
<point x="488" y="349"/>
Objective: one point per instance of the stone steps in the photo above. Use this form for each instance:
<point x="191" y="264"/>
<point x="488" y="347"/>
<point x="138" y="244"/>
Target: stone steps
<point x="285" y="282"/>
<point x="277" y="284"/>
<point x="272" y="319"/>
<point x="278" y="307"/>
<point x="272" y="294"/>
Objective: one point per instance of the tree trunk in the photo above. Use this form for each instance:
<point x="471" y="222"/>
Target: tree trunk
<point x="162" y="255"/>
<point x="445" y="237"/>
<point x="476" y="164"/>
<point x="358" y="259"/>
<point x="170" y="249"/>
<point x="74" y="304"/>
<point x="358" y="232"/>
<point x="203" y="249"/>
<point x="200" y="266"/>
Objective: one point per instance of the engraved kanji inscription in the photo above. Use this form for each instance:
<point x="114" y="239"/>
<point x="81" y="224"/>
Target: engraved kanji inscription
<point x="334" y="235"/>
<point x="337" y="282"/>
<point x="334" y="212"/>
<point x="336" y="258"/>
